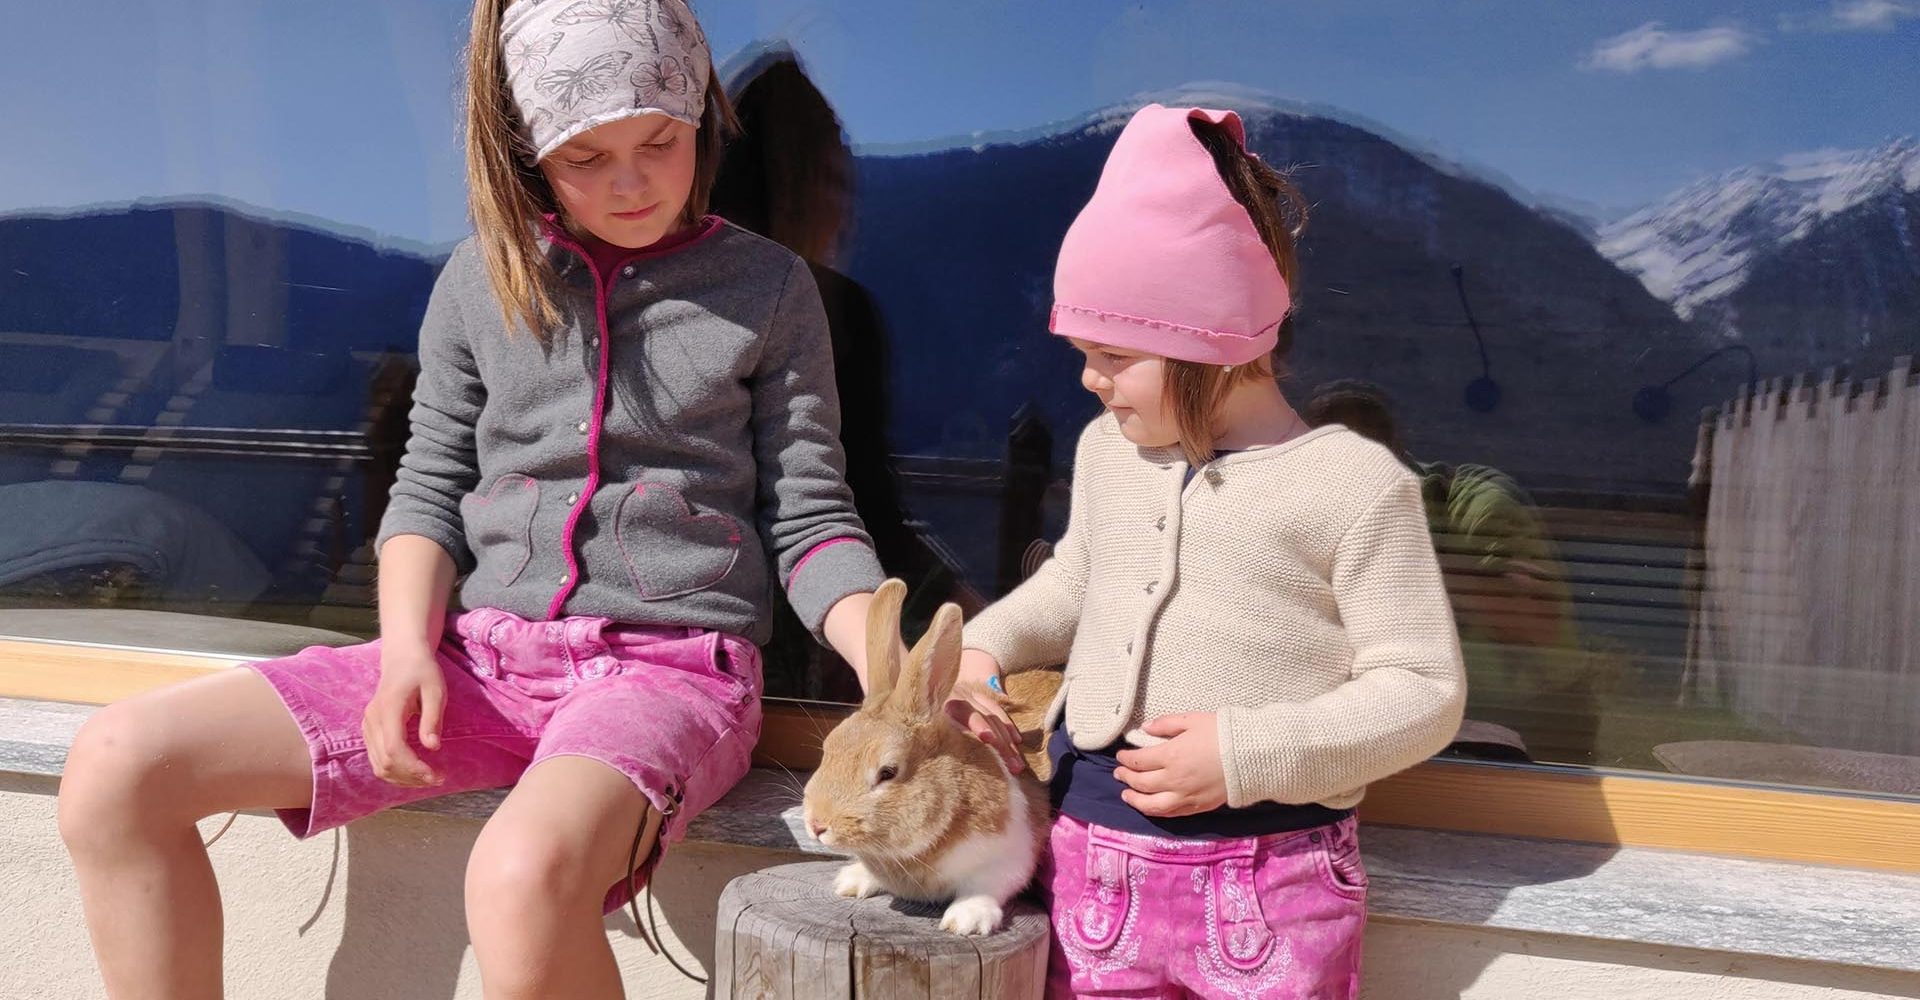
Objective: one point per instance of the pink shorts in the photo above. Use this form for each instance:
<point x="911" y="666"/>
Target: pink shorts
<point x="676" y="710"/>
<point x="1277" y="917"/>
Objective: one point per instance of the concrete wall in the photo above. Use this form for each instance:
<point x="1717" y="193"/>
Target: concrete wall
<point x="375" y="912"/>
<point x="1410" y="960"/>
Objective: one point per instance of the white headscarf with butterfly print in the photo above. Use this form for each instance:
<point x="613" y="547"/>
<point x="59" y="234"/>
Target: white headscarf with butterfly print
<point x="576" y="64"/>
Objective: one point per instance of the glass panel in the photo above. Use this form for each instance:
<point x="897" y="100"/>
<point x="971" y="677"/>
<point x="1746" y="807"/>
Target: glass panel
<point x="216" y="255"/>
<point x="1543" y="240"/>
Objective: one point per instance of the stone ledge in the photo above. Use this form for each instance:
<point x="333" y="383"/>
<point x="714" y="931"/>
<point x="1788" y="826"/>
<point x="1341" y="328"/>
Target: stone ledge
<point x="1636" y="895"/>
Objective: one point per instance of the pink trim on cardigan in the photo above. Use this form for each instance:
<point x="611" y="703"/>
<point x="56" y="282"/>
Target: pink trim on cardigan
<point x="802" y="564"/>
<point x="602" y="283"/>
<point x="572" y="580"/>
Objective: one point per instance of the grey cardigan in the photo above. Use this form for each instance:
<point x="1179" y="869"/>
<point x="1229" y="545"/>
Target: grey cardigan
<point x="643" y="461"/>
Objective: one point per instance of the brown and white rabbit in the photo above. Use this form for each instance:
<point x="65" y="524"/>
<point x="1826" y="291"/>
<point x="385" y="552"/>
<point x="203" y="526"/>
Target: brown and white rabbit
<point x="928" y="812"/>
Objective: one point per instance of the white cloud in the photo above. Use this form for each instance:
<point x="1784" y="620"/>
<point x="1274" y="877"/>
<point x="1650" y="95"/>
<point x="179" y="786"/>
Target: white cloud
<point x="1854" y="15"/>
<point x="1872" y="15"/>
<point x="1652" y="46"/>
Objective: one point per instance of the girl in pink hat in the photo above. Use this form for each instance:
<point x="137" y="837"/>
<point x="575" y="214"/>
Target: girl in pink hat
<point x="1250" y="612"/>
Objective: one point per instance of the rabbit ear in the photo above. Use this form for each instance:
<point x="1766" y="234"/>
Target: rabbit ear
<point x="933" y="665"/>
<point x="883" y="640"/>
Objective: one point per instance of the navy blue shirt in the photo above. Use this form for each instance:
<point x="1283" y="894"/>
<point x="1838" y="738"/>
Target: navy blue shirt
<point x="1084" y="787"/>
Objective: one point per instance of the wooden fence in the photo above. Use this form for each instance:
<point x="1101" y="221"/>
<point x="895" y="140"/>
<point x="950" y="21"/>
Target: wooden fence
<point x="1809" y="611"/>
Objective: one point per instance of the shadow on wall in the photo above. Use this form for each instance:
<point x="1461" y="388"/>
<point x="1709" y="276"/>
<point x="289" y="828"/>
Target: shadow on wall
<point x="404" y="909"/>
<point x="400" y="878"/>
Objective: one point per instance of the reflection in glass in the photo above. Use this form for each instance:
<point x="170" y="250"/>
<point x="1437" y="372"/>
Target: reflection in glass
<point x="201" y="401"/>
<point x="789" y="177"/>
<point x="216" y="436"/>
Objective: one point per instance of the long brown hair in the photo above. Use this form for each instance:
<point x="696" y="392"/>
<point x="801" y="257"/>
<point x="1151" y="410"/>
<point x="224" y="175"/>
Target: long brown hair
<point x="1195" y="392"/>
<point x="506" y="193"/>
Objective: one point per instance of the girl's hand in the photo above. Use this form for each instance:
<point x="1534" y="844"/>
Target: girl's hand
<point x="978" y="705"/>
<point x="415" y="576"/>
<point x="410" y="684"/>
<point x="1180" y="777"/>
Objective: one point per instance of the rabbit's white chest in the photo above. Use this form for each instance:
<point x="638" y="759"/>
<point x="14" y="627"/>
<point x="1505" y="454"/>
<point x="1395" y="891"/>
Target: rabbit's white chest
<point x="999" y="863"/>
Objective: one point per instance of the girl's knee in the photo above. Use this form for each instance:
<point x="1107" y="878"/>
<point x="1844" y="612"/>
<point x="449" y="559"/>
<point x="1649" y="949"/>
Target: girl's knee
<point x="523" y="870"/>
<point x="114" y="773"/>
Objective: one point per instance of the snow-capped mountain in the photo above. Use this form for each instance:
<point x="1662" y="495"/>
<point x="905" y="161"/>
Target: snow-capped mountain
<point x="1700" y="244"/>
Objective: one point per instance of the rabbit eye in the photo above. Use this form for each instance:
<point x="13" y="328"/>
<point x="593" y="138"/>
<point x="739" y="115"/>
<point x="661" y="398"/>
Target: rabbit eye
<point x="887" y="773"/>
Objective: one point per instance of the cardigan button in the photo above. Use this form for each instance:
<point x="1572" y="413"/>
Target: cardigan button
<point x="573" y="498"/>
<point x="628" y="270"/>
<point x="581" y="426"/>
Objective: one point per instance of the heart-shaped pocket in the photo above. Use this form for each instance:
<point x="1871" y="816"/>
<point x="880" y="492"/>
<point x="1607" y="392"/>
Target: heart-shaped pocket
<point x="500" y="526"/>
<point x="670" y="549"/>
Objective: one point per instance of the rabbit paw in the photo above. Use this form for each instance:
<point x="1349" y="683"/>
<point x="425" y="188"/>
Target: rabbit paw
<point x="971" y="915"/>
<point x="856" y="881"/>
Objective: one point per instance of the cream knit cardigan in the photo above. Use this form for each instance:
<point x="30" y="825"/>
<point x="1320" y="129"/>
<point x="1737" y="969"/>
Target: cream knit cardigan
<point x="1291" y="589"/>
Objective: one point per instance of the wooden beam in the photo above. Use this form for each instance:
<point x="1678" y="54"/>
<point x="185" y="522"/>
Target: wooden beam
<point x="1624" y="809"/>
<point x="94" y="675"/>
<point x="1555" y="803"/>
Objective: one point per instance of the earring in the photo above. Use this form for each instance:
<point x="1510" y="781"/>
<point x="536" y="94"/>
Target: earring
<point x="1227" y="368"/>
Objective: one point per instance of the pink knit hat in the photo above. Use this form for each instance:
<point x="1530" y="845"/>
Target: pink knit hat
<point x="1163" y="260"/>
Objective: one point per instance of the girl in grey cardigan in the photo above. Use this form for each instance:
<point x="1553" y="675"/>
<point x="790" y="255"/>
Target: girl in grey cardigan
<point x="625" y="434"/>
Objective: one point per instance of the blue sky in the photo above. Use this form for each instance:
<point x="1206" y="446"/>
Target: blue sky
<point x="344" y="110"/>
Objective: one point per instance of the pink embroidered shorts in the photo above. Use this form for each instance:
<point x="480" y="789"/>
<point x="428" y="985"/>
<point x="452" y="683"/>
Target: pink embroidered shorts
<point x="676" y="710"/>
<point x="1278" y="916"/>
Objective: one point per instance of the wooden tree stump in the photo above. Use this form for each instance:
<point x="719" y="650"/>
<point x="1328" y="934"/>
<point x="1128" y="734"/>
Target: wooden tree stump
<point x="782" y="934"/>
